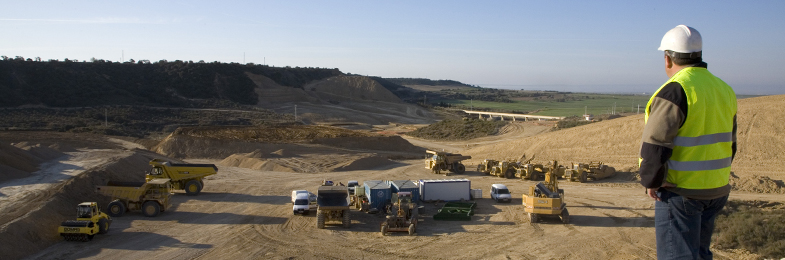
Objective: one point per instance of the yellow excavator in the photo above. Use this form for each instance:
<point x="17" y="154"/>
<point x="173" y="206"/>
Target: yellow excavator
<point x="546" y="199"/>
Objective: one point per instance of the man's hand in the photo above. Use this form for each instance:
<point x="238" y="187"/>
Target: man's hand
<point x="653" y="192"/>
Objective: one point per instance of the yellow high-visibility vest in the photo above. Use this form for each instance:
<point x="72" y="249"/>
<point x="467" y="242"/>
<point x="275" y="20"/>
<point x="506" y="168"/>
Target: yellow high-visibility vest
<point x="702" y="152"/>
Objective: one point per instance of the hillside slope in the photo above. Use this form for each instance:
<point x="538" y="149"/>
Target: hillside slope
<point x="761" y="141"/>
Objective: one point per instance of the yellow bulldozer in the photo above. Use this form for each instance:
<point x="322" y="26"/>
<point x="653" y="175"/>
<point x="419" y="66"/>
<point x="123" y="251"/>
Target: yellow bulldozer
<point x="486" y="165"/>
<point x="546" y="199"/>
<point x="582" y="172"/>
<point x="444" y="161"/>
<point x="89" y="221"/>
<point x="505" y="169"/>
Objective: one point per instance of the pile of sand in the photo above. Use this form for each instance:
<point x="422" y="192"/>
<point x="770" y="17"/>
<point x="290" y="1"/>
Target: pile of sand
<point x="759" y="184"/>
<point x="32" y="233"/>
<point x="365" y="163"/>
<point x="616" y="142"/>
<point x="20" y="159"/>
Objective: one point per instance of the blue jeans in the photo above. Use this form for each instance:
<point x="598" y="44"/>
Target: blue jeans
<point x="684" y="226"/>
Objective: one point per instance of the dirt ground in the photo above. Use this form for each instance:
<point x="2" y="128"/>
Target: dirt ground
<point x="246" y="213"/>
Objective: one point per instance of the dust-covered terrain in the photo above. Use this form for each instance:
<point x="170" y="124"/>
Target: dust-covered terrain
<point x="244" y="211"/>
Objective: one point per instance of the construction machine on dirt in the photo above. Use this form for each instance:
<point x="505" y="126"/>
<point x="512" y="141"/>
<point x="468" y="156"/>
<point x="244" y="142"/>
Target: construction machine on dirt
<point x="150" y="197"/>
<point x="486" y="165"/>
<point x="582" y="172"/>
<point x="505" y="169"/>
<point x="530" y="171"/>
<point x="546" y="199"/>
<point x="332" y="204"/>
<point x="443" y="161"/>
<point x="186" y="177"/>
<point x="405" y="217"/>
<point x="89" y="221"/>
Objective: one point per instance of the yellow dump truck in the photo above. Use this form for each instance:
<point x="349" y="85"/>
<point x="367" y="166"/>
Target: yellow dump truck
<point x="186" y="177"/>
<point x="89" y="221"/>
<point x="443" y="161"/>
<point x="150" y="197"/>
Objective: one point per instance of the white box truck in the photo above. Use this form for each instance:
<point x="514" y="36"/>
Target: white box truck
<point x="445" y="190"/>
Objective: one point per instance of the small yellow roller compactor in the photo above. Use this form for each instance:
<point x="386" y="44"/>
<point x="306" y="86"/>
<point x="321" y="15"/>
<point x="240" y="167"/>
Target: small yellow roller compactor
<point x="89" y="221"/>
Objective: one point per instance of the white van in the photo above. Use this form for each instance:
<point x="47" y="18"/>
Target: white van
<point x="499" y="192"/>
<point x="302" y="204"/>
<point x="295" y="192"/>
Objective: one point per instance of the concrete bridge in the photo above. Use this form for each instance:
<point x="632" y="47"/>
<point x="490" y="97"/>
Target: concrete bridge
<point x="525" y="117"/>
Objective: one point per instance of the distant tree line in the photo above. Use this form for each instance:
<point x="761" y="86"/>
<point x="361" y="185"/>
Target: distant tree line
<point x="70" y="83"/>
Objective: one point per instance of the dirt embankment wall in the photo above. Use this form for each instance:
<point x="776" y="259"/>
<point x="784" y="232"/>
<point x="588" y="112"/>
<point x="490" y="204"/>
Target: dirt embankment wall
<point x="343" y="88"/>
<point x="32" y="233"/>
<point x="221" y="142"/>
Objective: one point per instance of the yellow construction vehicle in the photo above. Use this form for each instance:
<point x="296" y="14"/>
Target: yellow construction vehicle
<point x="89" y="221"/>
<point x="531" y="171"/>
<point x="405" y="219"/>
<point x="443" y="161"/>
<point x="583" y="171"/>
<point x="186" y="177"/>
<point x="546" y="199"/>
<point x="151" y="197"/>
<point x="505" y="169"/>
<point x="486" y="165"/>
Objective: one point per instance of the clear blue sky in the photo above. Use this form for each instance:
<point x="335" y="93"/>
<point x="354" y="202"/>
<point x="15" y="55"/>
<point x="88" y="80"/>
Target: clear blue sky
<point x="594" y="46"/>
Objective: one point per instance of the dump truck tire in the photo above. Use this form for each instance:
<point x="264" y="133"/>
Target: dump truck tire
<point x="479" y="168"/>
<point x="319" y="219"/>
<point x="411" y="229"/>
<point x="510" y="173"/>
<point x="583" y="177"/>
<point x="151" y="208"/>
<point x="533" y="218"/>
<point x="565" y="216"/>
<point x="116" y="208"/>
<point x="384" y="229"/>
<point x="460" y="168"/>
<point x="103" y="226"/>
<point x="347" y="219"/>
<point x="193" y="187"/>
<point x="533" y="176"/>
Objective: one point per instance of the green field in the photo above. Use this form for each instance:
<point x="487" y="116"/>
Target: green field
<point x="593" y="103"/>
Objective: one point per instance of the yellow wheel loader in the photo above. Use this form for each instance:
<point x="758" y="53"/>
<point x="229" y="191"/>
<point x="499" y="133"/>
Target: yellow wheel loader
<point x="89" y="221"/>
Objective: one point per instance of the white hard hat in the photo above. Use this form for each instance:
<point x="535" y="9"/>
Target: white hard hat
<point x="683" y="39"/>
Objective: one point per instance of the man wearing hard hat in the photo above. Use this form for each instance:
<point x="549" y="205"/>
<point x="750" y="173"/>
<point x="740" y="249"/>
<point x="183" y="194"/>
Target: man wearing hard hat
<point x="689" y="142"/>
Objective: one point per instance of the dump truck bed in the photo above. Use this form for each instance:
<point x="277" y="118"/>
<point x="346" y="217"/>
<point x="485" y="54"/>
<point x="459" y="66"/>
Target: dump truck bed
<point x="128" y="190"/>
<point x="332" y="197"/>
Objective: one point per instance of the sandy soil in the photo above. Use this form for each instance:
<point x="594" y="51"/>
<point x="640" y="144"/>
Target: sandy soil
<point x="245" y="213"/>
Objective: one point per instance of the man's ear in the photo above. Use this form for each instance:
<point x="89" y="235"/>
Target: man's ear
<point x="668" y="62"/>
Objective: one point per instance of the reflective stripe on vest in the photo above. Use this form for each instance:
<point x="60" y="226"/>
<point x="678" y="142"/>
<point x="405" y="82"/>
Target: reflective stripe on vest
<point x="702" y="152"/>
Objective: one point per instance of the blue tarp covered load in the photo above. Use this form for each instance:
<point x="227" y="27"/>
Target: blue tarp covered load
<point x="379" y="193"/>
<point x="407" y="185"/>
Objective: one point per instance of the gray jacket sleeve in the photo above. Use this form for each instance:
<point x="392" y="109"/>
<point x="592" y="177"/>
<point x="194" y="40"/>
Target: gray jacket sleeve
<point x="668" y="111"/>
